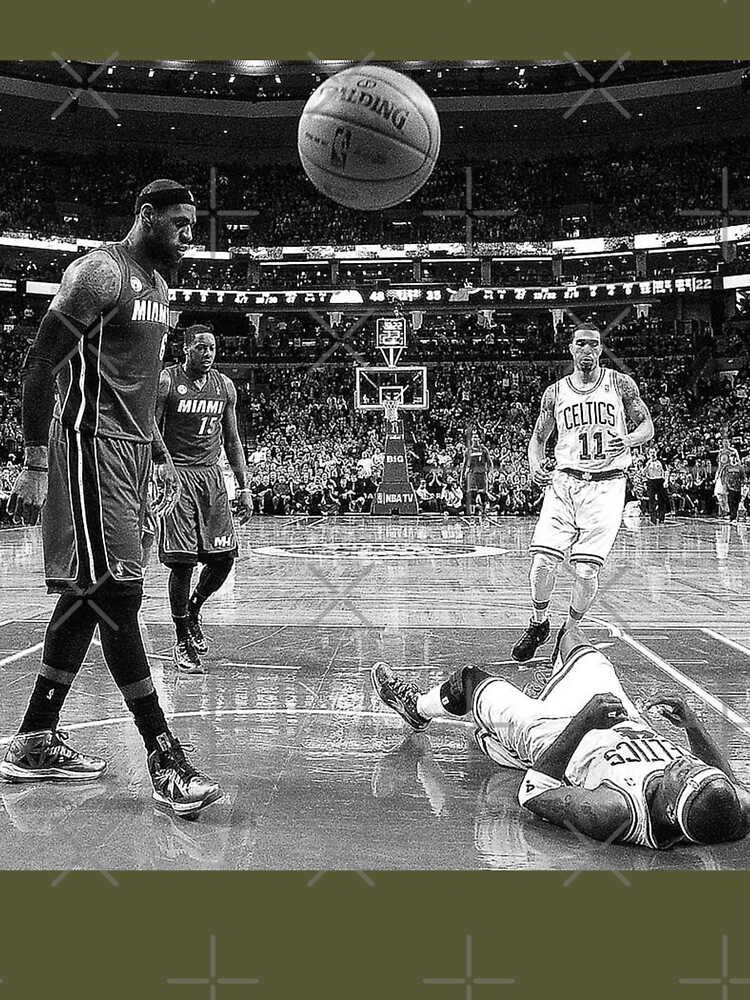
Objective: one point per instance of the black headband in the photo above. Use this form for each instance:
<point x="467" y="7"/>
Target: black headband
<point x="165" y="197"/>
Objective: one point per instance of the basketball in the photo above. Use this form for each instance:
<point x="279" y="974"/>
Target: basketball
<point x="369" y="137"/>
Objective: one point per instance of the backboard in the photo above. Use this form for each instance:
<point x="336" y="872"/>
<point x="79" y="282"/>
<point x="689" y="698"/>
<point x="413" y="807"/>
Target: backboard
<point x="407" y="384"/>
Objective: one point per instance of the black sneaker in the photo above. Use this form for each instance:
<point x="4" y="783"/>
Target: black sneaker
<point x="536" y="634"/>
<point x="398" y="694"/>
<point x="195" y="631"/>
<point x="177" y="784"/>
<point x="46" y="756"/>
<point x="186" y="658"/>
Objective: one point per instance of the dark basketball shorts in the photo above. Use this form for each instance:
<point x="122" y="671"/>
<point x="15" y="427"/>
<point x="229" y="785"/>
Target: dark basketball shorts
<point x="93" y="518"/>
<point x="201" y="524"/>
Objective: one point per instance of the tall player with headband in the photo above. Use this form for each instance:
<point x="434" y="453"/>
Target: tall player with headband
<point x="88" y="465"/>
<point x="196" y="412"/>
<point x="585" y="495"/>
<point x="593" y="761"/>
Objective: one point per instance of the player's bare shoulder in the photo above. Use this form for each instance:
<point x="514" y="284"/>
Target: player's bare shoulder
<point x="549" y="395"/>
<point x="230" y="388"/>
<point x="89" y="286"/>
<point x="165" y="383"/>
<point x="626" y="386"/>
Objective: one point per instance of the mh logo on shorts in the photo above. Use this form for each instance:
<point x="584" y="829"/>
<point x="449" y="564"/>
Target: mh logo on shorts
<point x="223" y="542"/>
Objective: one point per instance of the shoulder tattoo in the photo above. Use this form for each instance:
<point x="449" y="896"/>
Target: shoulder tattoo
<point x="635" y="408"/>
<point x="89" y="287"/>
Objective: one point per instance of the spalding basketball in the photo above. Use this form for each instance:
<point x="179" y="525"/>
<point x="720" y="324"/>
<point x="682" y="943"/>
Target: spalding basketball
<point x="369" y="137"/>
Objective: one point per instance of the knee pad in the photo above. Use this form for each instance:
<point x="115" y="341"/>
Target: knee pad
<point x="457" y="692"/>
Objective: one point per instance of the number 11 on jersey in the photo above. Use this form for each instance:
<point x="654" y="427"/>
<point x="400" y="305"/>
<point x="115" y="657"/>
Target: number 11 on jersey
<point x="598" y="441"/>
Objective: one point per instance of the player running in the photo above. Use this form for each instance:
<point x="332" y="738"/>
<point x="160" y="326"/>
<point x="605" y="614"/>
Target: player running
<point x="196" y="411"/>
<point x="102" y="342"/>
<point x="592" y="761"/>
<point x="585" y="495"/>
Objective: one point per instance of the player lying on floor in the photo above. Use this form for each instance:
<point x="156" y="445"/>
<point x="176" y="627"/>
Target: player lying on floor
<point x="593" y="763"/>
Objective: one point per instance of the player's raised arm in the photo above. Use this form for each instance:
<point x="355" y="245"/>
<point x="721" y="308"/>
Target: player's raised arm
<point x="233" y="446"/>
<point x="637" y="413"/>
<point x="88" y="288"/>
<point x="543" y="428"/>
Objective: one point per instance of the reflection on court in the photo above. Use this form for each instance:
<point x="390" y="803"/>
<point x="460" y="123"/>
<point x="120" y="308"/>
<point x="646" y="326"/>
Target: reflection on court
<point x="316" y="773"/>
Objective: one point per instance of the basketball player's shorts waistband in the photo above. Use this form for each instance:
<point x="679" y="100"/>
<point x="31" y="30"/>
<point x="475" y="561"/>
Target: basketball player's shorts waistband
<point x="594" y="477"/>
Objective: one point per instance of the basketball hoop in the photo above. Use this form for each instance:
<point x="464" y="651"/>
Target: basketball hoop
<point x="390" y="409"/>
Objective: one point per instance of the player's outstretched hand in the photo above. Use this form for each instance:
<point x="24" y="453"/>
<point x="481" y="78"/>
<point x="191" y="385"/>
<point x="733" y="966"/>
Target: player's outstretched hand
<point x="540" y="475"/>
<point x="603" y="711"/>
<point x="674" y="709"/>
<point x="27" y="496"/>
<point x="167" y="488"/>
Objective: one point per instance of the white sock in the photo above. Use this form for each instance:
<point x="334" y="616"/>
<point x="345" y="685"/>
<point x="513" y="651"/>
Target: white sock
<point x="429" y="705"/>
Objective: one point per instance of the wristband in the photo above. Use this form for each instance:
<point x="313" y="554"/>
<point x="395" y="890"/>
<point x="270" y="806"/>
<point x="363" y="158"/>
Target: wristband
<point x="245" y="489"/>
<point x="37" y="468"/>
<point x="534" y="783"/>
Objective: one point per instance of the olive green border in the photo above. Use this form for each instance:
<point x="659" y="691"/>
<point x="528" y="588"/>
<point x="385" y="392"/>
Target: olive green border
<point x="378" y="937"/>
<point x="391" y="29"/>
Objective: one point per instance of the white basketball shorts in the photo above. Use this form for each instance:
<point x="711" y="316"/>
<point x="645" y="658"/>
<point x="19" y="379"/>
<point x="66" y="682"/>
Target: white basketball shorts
<point x="579" y="515"/>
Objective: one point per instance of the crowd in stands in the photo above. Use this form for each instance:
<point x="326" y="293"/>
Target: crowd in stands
<point x="310" y="451"/>
<point x="616" y="193"/>
<point x="315" y="454"/>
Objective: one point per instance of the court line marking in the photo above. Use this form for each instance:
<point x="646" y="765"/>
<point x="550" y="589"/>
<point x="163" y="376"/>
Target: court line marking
<point x="722" y="709"/>
<point x="263" y="638"/>
<point x="262" y="666"/>
<point x="212" y="713"/>
<point x="430" y="626"/>
<point x="20" y="655"/>
<point x="732" y="643"/>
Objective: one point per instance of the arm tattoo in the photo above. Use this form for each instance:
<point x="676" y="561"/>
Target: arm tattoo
<point x="635" y="408"/>
<point x="89" y="287"/>
<point x="545" y="423"/>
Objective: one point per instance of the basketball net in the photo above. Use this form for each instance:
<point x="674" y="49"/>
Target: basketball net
<point x="390" y="409"/>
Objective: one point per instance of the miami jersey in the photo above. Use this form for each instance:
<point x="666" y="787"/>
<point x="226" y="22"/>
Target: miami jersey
<point x="192" y="418"/>
<point x="585" y="420"/>
<point x="628" y="757"/>
<point x="107" y="387"/>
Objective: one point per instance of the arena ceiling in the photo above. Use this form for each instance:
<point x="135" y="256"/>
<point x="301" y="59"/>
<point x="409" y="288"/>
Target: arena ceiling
<point x="495" y="112"/>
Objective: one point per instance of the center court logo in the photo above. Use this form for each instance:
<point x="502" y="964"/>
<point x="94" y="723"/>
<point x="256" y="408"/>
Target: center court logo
<point x="379" y="550"/>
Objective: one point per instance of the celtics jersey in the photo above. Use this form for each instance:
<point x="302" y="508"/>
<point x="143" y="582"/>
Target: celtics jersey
<point x="628" y="757"/>
<point x="192" y="420"/>
<point x="107" y="387"/>
<point x="585" y="420"/>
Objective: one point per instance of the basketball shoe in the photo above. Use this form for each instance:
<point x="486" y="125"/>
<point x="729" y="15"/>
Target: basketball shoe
<point x="398" y="694"/>
<point x="535" y="635"/>
<point x="195" y="631"/>
<point x="177" y="784"/>
<point x="46" y="756"/>
<point x="186" y="658"/>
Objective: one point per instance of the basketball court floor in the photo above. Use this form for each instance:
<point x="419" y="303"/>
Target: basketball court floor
<point x="317" y="774"/>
